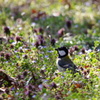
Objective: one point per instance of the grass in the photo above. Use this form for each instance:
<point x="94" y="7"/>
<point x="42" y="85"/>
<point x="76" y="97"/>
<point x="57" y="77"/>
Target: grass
<point x="29" y="55"/>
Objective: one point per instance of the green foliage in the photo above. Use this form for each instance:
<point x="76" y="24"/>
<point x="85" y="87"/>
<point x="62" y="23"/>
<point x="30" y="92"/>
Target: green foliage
<point x="34" y="65"/>
<point x="3" y="17"/>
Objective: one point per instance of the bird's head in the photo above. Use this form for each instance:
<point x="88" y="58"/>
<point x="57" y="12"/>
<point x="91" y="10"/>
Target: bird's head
<point x="62" y="51"/>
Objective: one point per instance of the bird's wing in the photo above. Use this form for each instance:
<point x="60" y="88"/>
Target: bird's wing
<point x="69" y="66"/>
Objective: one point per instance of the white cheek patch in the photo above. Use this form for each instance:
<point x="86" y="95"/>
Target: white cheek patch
<point x="62" y="53"/>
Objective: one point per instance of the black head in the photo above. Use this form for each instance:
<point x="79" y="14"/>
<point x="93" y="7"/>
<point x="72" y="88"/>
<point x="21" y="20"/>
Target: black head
<point x="62" y="51"/>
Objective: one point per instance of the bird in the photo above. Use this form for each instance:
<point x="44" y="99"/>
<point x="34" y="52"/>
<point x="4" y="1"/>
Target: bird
<point x="63" y="61"/>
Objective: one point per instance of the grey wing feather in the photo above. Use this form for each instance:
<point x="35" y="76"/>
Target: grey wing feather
<point x="69" y="66"/>
<point x="65" y="65"/>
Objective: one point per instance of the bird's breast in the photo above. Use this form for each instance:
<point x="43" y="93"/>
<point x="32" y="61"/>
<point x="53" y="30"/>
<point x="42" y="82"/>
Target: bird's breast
<point x="60" y="63"/>
<point x="63" y="63"/>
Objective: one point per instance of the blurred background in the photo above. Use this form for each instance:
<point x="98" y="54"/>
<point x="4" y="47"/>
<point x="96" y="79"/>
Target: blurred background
<point x="51" y="15"/>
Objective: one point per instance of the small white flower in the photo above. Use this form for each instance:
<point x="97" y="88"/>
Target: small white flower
<point x="14" y="43"/>
<point x="6" y="61"/>
<point x="88" y="51"/>
<point x="71" y="42"/>
<point x="98" y="50"/>
<point x="46" y="56"/>
<point x="20" y="28"/>
<point x="62" y="76"/>
<point x="23" y="13"/>
<point x="33" y="96"/>
<point x="43" y="68"/>
<point x="40" y="86"/>
<point x="88" y="3"/>
<point x="15" y="51"/>
<point x="33" y="24"/>
<point x="87" y="58"/>
<point x="44" y="94"/>
<point x="12" y="63"/>
<point x="20" y="47"/>
<point x="96" y="86"/>
<point x="16" y="93"/>
<point x="88" y="76"/>
<point x="33" y="61"/>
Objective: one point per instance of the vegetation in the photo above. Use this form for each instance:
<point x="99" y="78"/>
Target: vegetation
<point x="29" y="33"/>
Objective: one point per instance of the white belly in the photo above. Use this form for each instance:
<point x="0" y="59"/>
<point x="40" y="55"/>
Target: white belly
<point x="60" y="68"/>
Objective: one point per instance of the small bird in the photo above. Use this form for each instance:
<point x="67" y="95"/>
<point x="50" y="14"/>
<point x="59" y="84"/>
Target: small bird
<point x="63" y="61"/>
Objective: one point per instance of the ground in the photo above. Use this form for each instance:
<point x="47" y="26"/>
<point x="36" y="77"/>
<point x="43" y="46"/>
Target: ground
<point x="29" y="34"/>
